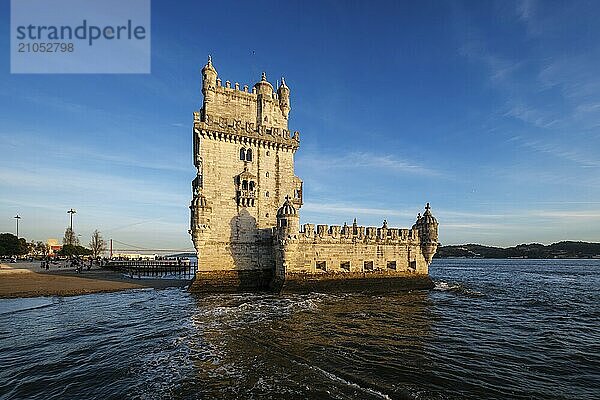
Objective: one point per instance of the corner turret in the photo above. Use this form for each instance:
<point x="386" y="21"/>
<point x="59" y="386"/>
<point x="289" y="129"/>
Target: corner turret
<point x="200" y="219"/>
<point x="427" y="227"/>
<point x="263" y="87"/>
<point x="284" y="98"/>
<point x="288" y="221"/>
<point x="209" y="76"/>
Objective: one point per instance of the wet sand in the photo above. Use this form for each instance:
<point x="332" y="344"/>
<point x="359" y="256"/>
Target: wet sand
<point x="29" y="280"/>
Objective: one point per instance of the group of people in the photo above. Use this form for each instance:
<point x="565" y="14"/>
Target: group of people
<point x="76" y="262"/>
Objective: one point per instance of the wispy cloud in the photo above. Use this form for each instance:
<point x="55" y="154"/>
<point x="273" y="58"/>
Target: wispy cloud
<point x="500" y="68"/>
<point x="527" y="13"/>
<point x="348" y="210"/>
<point x="531" y="115"/>
<point x="354" y="160"/>
<point x="577" y="214"/>
<point x="26" y="144"/>
<point x="563" y="151"/>
<point x="99" y="186"/>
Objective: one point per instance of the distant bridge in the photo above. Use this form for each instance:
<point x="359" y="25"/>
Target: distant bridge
<point x="126" y="247"/>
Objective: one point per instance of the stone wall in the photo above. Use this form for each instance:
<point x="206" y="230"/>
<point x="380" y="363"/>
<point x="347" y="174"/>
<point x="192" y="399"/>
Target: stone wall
<point x="348" y="253"/>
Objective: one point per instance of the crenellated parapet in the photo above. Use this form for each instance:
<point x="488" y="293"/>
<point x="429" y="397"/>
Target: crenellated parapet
<point x="238" y="131"/>
<point x="356" y="234"/>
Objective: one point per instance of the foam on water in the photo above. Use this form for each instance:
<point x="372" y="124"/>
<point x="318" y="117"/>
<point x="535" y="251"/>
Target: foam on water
<point x="9" y="306"/>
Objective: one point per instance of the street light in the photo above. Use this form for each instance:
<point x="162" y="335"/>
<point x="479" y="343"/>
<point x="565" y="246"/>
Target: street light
<point x="71" y="211"/>
<point x="17" y="217"/>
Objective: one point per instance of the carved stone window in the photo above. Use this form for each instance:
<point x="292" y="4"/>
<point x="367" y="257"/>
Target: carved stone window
<point x="297" y="191"/>
<point x="266" y="194"/>
<point x="368" y="265"/>
<point x="246" y="189"/>
<point x="267" y="174"/>
<point x="391" y="265"/>
<point x="321" y="265"/>
<point x="345" y="266"/>
<point x="246" y="154"/>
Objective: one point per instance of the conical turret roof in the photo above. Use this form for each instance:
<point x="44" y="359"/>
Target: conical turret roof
<point x="287" y="209"/>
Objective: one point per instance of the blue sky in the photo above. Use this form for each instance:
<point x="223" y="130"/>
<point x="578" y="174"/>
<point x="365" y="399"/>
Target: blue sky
<point x="488" y="110"/>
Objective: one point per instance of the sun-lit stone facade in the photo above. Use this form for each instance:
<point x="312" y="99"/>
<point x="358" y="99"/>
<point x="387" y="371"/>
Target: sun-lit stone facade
<point x="246" y="197"/>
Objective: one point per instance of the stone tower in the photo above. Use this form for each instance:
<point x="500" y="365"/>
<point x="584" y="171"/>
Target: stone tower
<point x="245" y="221"/>
<point x="244" y="158"/>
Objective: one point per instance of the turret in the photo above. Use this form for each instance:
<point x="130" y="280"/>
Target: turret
<point x="263" y="87"/>
<point x="200" y="219"/>
<point x="427" y="227"/>
<point x="284" y="98"/>
<point x="288" y="221"/>
<point x="209" y="76"/>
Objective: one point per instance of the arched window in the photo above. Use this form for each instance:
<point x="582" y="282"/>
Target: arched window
<point x="243" y="154"/>
<point x="249" y="155"/>
<point x="251" y="187"/>
<point x="267" y="174"/>
<point x="244" y="185"/>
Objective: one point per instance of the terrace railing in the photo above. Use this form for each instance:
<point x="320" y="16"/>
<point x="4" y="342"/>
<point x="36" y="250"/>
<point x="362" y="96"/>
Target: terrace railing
<point x="159" y="269"/>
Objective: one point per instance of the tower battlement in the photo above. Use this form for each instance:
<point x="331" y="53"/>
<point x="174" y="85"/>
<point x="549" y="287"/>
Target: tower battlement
<point x="355" y="234"/>
<point x="262" y="106"/>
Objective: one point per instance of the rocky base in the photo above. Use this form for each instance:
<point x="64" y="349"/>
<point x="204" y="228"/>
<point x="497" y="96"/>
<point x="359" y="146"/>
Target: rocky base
<point x="263" y="281"/>
<point x="232" y="281"/>
<point x="355" y="282"/>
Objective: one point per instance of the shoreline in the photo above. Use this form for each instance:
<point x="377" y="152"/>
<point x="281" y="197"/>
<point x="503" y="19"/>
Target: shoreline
<point x="25" y="280"/>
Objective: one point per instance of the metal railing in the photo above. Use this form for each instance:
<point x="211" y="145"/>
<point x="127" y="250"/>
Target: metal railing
<point x="163" y="269"/>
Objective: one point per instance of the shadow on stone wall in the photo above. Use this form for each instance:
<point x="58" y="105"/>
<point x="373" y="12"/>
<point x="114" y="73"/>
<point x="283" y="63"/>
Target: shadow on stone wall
<point x="243" y="237"/>
<point x="245" y="242"/>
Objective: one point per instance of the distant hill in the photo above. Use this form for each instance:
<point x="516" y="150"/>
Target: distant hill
<point x="565" y="249"/>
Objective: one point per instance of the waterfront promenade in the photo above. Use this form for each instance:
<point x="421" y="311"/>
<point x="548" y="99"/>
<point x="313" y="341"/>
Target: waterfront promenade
<point x="27" y="279"/>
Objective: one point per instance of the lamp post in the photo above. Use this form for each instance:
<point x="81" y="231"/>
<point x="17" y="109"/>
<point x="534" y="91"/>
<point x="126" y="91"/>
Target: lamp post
<point x="17" y="217"/>
<point x="71" y="211"/>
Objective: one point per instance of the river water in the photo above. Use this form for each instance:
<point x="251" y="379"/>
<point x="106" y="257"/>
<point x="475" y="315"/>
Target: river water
<point x="491" y="329"/>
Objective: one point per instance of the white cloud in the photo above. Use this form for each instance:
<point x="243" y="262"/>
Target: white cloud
<point x="354" y="160"/>
<point x="101" y="187"/>
<point x="27" y="145"/>
<point x="352" y="210"/>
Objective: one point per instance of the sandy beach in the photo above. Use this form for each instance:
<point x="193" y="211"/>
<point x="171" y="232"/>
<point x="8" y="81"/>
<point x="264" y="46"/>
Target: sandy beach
<point x="25" y="279"/>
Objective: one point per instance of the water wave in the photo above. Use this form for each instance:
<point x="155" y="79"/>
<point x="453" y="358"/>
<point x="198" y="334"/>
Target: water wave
<point x="489" y="329"/>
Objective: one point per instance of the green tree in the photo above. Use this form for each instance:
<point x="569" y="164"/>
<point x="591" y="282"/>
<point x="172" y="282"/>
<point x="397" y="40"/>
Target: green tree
<point x="70" y="238"/>
<point x="97" y="244"/>
<point x="41" y="248"/>
<point x="72" y="250"/>
<point x="10" y="245"/>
